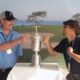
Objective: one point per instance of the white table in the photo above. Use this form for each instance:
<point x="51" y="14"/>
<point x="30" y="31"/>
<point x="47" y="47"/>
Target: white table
<point x="24" y="71"/>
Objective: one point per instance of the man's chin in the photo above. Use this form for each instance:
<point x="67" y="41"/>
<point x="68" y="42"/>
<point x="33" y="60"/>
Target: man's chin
<point x="8" y="29"/>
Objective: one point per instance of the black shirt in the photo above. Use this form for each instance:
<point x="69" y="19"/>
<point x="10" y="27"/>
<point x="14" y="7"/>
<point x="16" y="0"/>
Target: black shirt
<point x="62" y="48"/>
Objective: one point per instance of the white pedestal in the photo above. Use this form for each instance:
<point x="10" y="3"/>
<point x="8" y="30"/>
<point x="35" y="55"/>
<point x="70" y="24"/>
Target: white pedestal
<point x="24" y="71"/>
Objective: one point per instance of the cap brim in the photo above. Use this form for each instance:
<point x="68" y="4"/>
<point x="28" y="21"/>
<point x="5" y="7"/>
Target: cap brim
<point x="11" y="18"/>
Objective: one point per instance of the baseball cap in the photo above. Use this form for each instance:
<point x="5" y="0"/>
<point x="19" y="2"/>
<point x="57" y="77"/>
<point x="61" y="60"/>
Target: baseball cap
<point x="8" y="15"/>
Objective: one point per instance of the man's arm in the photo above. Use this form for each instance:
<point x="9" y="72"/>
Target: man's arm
<point x="11" y="44"/>
<point x="51" y="50"/>
<point x="73" y="55"/>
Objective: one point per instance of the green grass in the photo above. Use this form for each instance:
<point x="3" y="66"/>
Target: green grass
<point x="56" y="30"/>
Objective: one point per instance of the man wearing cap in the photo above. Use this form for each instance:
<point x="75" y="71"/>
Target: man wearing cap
<point x="10" y="44"/>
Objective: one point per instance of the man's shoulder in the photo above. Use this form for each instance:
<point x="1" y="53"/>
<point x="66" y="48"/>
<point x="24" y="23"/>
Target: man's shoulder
<point x="77" y="38"/>
<point x="64" y="39"/>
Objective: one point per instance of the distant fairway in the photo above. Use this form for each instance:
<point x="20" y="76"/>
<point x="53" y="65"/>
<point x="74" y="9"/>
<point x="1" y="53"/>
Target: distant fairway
<point x="56" y="30"/>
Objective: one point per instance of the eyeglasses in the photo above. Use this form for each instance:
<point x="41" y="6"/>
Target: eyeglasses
<point x="8" y="20"/>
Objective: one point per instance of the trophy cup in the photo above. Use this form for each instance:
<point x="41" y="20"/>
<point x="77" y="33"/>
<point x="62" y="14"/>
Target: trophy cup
<point x="36" y="48"/>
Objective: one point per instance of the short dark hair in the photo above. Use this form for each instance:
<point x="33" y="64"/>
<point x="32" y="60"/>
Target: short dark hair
<point x="73" y="24"/>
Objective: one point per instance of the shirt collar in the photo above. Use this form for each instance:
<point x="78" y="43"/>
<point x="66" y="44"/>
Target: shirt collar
<point x="2" y="31"/>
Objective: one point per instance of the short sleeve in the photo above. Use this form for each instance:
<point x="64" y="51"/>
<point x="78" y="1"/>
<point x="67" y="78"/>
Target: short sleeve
<point x="60" y="47"/>
<point x="77" y="45"/>
<point x="18" y="50"/>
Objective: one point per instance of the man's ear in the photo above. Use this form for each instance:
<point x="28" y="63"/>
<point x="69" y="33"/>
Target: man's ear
<point x="1" y="21"/>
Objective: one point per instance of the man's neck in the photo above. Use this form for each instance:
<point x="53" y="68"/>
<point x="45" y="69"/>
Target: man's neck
<point x="72" y="37"/>
<point x="6" y="32"/>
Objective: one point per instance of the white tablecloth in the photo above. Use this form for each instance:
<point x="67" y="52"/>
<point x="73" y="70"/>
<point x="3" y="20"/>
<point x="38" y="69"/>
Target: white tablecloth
<point x="24" y="71"/>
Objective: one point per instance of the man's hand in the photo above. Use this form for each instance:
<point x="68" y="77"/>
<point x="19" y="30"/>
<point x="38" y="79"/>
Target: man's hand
<point x="50" y="48"/>
<point x="73" y="55"/>
<point x="23" y="38"/>
<point x="70" y="51"/>
<point x="46" y="40"/>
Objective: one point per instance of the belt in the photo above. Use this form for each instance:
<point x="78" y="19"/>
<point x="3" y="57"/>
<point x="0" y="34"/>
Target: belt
<point x="4" y="70"/>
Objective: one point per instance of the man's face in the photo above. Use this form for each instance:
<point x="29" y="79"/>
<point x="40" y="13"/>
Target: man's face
<point x="67" y="30"/>
<point x="7" y="24"/>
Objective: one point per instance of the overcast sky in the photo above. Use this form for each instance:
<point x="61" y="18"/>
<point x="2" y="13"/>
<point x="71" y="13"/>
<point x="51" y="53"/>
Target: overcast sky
<point x="56" y="9"/>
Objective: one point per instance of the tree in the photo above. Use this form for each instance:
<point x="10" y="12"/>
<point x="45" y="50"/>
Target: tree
<point x="76" y="17"/>
<point x="36" y="17"/>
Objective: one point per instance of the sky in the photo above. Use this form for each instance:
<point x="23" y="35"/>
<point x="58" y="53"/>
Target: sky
<point x="56" y="9"/>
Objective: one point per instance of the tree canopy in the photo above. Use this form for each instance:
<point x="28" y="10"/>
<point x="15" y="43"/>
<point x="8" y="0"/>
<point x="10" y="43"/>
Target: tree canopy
<point x="36" y="17"/>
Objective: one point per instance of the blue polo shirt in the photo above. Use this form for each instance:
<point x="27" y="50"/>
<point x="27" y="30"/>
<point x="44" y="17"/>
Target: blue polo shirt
<point x="9" y="60"/>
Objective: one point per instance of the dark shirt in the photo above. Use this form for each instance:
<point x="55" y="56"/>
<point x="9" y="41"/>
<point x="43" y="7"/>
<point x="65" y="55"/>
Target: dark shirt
<point x="62" y="48"/>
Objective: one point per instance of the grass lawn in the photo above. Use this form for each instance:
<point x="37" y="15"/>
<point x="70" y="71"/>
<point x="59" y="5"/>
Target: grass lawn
<point x="45" y="57"/>
<point x="56" y="30"/>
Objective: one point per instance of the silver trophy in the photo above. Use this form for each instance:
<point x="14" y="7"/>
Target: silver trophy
<point x="36" y="48"/>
